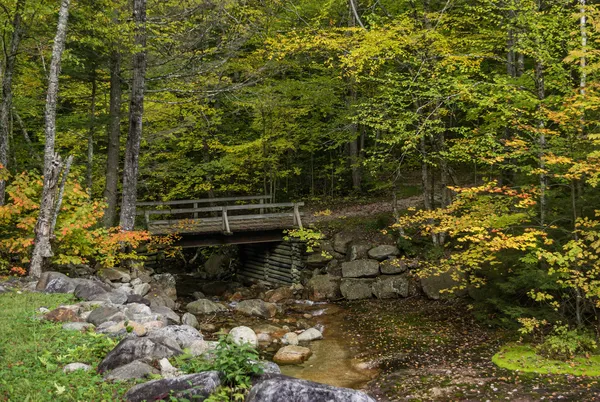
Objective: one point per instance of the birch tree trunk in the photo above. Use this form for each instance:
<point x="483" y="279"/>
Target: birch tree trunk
<point x="541" y="93"/>
<point x="5" y="103"/>
<point x="52" y="162"/>
<point x="136" y="110"/>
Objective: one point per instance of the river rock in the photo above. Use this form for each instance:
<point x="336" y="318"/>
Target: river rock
<point x="115" y="297"/>
<point x="191" y="320"/>
<point x="256" y="307"/>
<point x="106" y="313"/>
<point x="391" y="287"/>
<point x="141" y="289"/>
<point x="55" y="282"/>
<point x="243" y="334"/>
<point x="292" y="355"/>
<point x="216" y="265"/>
<point x="279" y="388"/>
<point x="192" y="387"/>
<point x="341" y="240"/>
<point x="114" y="274"/>
<point x="323" y="287"/>
<point x="290" y="338"/>
<point x="171" y="316"/>
<point x="62" y="314"/>
<point x="205" y="306"/>
<point x="360" y="269"/>
<point x="279" y="294"/>
<point x="147" y="348"/>
<point x="76" y="366"/>
<point x="355" y="289"/>
<point x="122" y="328"/>
<point x="311" y="334"/>
<point x="268" y="367"/>
<point x="135" y="369"/>
<point x="392" y="266"/>
<point x="184" y="335"/>
<point x="357" y="250"/>
<point x="158" y="298"/>
<point x="432" y="285"/>
<point x="89" y="290"/>
<point x="166" y="283"/>
<point x="198" y="295"/>
<point x="382" y="252"/>
<point x="137" y="299"/>
<point x="77" y="326"/>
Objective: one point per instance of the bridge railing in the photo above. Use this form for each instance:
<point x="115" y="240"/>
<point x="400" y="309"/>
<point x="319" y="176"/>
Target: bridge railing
<point x="223" y="215"/>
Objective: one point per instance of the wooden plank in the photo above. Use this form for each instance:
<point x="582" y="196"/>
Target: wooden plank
<point x="219" y="209"/>
<point x="219" y="220"/>
<point x="204" y="200"/>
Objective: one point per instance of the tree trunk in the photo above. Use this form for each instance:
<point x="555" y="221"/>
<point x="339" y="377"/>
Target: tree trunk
<point x="61" y="191"/>
<point x="136" y="110"/>
<point x="5" y="103"/>
<point x="539" y="79"/>
<point x="114" y="134"/>
<point x="90" y="150"/>
<point x="52" y="162"/>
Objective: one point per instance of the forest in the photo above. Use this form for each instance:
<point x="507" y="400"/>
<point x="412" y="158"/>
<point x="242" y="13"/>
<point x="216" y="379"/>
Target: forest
<point x="486" y="110"/>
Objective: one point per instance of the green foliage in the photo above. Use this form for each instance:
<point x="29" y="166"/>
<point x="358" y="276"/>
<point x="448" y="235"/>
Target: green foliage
<point x="33" y="353"/>
<point x="565" y="343"/>
<point x="310" y="237"/>
<point x="523" y="358"/>
<point x="237" y="363"/>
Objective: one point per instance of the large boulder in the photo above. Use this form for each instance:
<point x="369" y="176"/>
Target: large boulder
<point x="106" y="313"/>
<point x="135" y="369"/>
<point x="433" y="285"/>
<point x="205" y="306"/>
<point x="184" y="335"/>
<point x="292" y="354"/>
<point x="115" y="297"/>
<point x="114" y="274"/>
<point x="355" y="289"/>
<point x="323" y="287"/>
<point x="243" y="334"/>
<point x="357" y="250"/>
<point x="392" y="266"/>
<point x="171" y="316"/>
<point x="146" y="349"/>
<point x="391" y="287"/>
<point x="279" y="294"/>
<point x="360" y="269"/>
<point x="158" y="298"/>
<point x="216" y="265"/>
<point x="278" y="388"/>
<point x="89" y="289"/>
<point x="62" y="314"/>
<point x="341" y="240"/>
<point x="382" y="252"/>
<point x="191" y="320"/>
<point x="55" y="282"/>
<point x="257" y="308"/>
<point x="317" y="260"/>
<point x="166" y="283"/>
<point x="192" y="387"/>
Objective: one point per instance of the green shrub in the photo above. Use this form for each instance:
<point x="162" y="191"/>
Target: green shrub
<point x="237" y="363"/>
<point x="566" y="344"/>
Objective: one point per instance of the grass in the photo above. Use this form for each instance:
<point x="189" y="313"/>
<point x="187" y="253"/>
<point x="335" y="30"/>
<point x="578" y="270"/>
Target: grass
<point x="524" y="358"/>
<point x="33" y="353"/>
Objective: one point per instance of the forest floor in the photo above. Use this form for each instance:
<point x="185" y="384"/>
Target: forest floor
<point x="436" y="351"/>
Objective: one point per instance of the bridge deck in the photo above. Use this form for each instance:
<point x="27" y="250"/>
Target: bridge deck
<point x="220" y="217"/>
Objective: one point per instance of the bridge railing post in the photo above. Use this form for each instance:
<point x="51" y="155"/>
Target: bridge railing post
<point x="226" y="228"/>
<point x="195" y="213"/>
<point x="297" y="219"/>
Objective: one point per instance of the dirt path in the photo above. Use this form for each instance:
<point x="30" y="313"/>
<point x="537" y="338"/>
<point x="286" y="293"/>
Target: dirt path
<point x="317" y="214"/>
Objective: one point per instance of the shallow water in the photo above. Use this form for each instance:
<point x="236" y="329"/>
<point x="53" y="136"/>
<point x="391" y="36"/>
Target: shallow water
<point x="332" y="361"/>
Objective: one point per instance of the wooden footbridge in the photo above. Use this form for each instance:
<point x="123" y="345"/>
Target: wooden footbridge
<point x="215" y="221"/>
